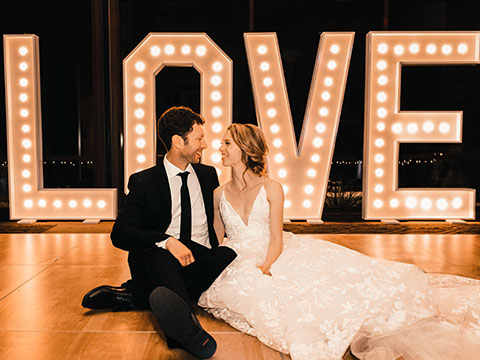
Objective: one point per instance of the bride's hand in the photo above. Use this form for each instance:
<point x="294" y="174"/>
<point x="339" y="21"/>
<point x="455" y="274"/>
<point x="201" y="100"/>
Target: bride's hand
<point x="265" y="269"/>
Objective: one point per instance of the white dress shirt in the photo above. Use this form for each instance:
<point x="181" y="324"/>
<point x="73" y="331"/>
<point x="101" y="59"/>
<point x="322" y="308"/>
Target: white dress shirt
<point x="199" y="216"/>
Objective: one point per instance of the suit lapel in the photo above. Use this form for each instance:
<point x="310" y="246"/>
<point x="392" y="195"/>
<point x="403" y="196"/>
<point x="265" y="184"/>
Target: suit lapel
<point x="163" y="184"/>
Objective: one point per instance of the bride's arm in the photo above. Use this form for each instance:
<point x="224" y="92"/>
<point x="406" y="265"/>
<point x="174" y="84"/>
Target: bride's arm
<point x="275" y="198"/>
<point x="217" y="220"/>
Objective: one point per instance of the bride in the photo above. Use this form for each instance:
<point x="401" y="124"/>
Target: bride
<point x="312" y="298"/>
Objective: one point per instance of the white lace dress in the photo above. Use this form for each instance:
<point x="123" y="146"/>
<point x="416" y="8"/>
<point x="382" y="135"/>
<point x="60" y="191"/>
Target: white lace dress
<point x="323" y="297"/>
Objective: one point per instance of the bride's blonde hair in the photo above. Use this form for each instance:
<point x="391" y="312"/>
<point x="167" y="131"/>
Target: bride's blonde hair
<point x="250" y="139"/>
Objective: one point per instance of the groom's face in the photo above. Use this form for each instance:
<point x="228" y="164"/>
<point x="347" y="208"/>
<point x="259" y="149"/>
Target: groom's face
<point x="194" y="144"/>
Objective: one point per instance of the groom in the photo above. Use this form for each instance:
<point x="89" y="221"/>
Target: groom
<point x="166" y="225"/>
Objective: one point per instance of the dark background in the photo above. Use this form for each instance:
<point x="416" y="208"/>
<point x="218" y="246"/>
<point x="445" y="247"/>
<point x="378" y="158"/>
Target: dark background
<point x="83" y="43"/>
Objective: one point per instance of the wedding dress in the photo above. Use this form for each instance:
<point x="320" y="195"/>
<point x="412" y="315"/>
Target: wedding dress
<point x="322" y="298"/>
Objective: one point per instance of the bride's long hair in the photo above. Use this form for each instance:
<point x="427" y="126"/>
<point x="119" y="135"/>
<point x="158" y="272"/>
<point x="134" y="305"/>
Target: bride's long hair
<point x="250" y="139"/>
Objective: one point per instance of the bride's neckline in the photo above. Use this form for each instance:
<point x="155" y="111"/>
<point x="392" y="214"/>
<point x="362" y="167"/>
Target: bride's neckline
<point x="251" y="208"/>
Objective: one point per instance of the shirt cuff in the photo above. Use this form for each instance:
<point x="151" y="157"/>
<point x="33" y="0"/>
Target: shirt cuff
<point x="162" y="244"/>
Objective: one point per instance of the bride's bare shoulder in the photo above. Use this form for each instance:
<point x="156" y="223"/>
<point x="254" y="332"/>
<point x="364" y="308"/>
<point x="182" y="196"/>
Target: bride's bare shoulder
<point x="218" y="192"/>
<point x="273" y="187"/>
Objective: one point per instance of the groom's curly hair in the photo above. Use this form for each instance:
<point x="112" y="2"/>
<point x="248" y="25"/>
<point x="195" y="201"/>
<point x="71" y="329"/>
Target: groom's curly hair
<point x="250" y="139"/>
<point x="177" y="120"/>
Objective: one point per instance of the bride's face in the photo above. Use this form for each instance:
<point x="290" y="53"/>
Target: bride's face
<point x="231" y="153"/>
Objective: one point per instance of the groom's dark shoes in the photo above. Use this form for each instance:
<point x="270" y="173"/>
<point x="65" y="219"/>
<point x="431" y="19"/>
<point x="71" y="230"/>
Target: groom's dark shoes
<point x="180" y="325"/>
<point x="109" y="297"/>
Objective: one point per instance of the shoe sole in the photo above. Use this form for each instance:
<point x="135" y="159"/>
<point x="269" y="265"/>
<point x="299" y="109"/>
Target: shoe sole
<point x="179" y="323"/>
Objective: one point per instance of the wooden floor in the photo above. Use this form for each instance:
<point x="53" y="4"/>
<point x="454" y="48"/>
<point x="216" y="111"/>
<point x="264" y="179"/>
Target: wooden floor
<point x="44" y="277"/>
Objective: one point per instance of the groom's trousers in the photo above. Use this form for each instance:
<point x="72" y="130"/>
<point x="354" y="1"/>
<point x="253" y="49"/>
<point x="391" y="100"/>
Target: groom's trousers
<point x="154" y="267"/>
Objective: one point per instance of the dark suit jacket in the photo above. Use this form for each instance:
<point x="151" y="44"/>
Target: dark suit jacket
<point x="146" y="213"/>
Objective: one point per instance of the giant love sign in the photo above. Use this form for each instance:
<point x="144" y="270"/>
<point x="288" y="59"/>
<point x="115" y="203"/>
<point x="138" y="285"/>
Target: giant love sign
<point x="302" y="168"/>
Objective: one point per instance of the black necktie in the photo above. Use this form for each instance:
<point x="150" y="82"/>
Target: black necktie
<point x="186" y="208"/>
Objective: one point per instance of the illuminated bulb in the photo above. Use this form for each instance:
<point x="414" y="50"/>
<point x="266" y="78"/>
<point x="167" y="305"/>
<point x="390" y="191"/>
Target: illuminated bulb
<point x="379" y="142"/>
<point x="186" y="49"/>
<point x="398" y="50"/>
<point x="307" y="203"/>
<point x="26" y="158"/>
<point x="23" y="51"/>
<point x="87" y="203"/>
<point x="311" y="173"/>
<point x="397" y="128"/>
<point x="216" y="96"/>
<point x="326" y="95"/>
<point x="23" y="82"/>
<point x="277" y="143"/>
<point x="264" y="66"/>
<point x="141" y="159"/>
<point x="382" y="48"/>
<point x="216" y="80"/>
<point x="267" y="81"/>
<point x="23" y="66"/>
<point x="23" y="97"/>
<point x="381" y="65"/>
<point x="431" y="49"/>
<point x="334" y="49"/>
<point x="26" y="173"/>
<point x="216" y="144"/>
<point x="279" y="158"/>
<point x="282" y="173"/>
<point x="72" y="204"/>
<point x="414" y="48"/>
<point x="201" y="50"/>
<point x="426" y="204"/>
<point x="379" y="172"/>
<point x="262" y="49"/>
<point x="411" y="202"/>
<point x="26" y="143"/>
<point x="42" y="203"/>
<point x="315" y="158"/>
<point x="140" y="66"/>
<point x="378" y="188"/>
<point x="412" y="128"/>
<point x="270" y="96"/>
<point x="394" y="203"/>
<point x="321" y="128"/>
<point x="217" y="66"/>
<point x="216" y="111"/>
<point x="285" y="189"/>
<point x="216" y="158"/>
<point x="444" y="128"/>
<point x="382" y="80"/>
<point x="332" y="64"/>
<point x="139" y="98"/>
<point x="323" y="111"/>
<point x="428" y="126"/>
<point x="381" y="97"/>
<point x="381" y="126"/>
<point x="101" y="204"/>
<point x="27" y="188"/>
<point x="140" y="129"/>
<point x="317" y="142"/>
<point x="274" y="128"/>
<point x="169" y="49"/>
<point x="139" y="82"/>
<point x="442" y="204"/>
<point x="219" y="172"/>
<point x="308" y="189"/>
<point x="382" y="112"/>
<point x="24" y="112"/>
<point x="26" y="128"/>
<point x="287" y="204"/>
<point x="28" y="203"/>
<point x="462" y="48"/>
<point x="379" y="158"/>
<point x="457" y="203"/>
<point x="57" y="204"/>
<point x="139" y="113"/>
<point x="155" y="50"/>
<point x="217" y="127"/>
<point x="141" y="143"/>
<point x="271" y="113"/>
<point x="378" y="203"/>
<point x="446" y="49"/>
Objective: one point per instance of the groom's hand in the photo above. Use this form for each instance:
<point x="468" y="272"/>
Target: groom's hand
<point x="179" y="251"/>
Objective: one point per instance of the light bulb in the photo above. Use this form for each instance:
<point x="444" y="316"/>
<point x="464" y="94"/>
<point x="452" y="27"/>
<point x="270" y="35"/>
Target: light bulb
<point x="378" y="188"/>
<point x="379" y="172"/>
<point x="42" y="203"/>
<point x="411" y="202"/>
<point x="101" y="204"/>
<point x="428" y="126"/>
<point x="442" y="204"/>
<point x="139" y="113"/>
<point x="414" y="48"/>
<point x="23" y="51"/>
<point x="216" y="96"/>
<point x="431" y="49"/>
<point x="311" y="173"/>
<point x="270" y="96"/>
<point x="381" y="65"/>
<point x="267" y="81"/>
<point x="382" y="80"/>
<point x="412" y="128"/>
<point x="398" y="50"/>
<point x="317" y="142"/>
<point x="332" y="64"/>
<point x="379" y="142"/>
<point x="380" y="126"/>
<point x="315" y="158"/>
<point x="27" y="188"/>
<point x="282" y="173"/>
<point x="321" y="127"/>
<point x="26" y="128"/>
<point x="139" y="98"/>
<point x="169" y="49"/>
<point x="307" y="203"/>
<point x="397" y="128"/>
<point x="216" y="158"/>
<point x="381" y="97"/>
<point x="394" y="203"/>
<point x="275" y="128"/>
<point x="462" y="48"/>
<point x="217" y="66"/>
<point x="216" y="111"/>
<point x="379" y="158"/>
<point x="264" y="66"/>
<point x="446" y="49"/>
<point x="28" y="203"/>
<point x="141" y="158"/>
<point x="382" y="48"/>
<point x="328" y="81"/>
<point x="216" y="144"/>
<point x="23" y="66"/>
<point x="139" y="82"/>
<point x="382" y="112"/>
<point x="186" y="49"/>
<point x="323" y="111"/>
<point x="457" y="203"/>
<point x="26" y="158"/>
<point x="277" y="143"/>
<point x="308" y="189"/>
<point x="444" y="128"/>
<point x="87" y="203"/>
<point x="334" y="49"/>
<point x="26" y="143"/>
<point x="140" y="129"/>
<point x="72" y="204"/>
<point x="279" y="158"/>
<point x="140" y="65"/>
<point x="325" y="95"/>
<point x="217" y="127"/>
<point x="57" y="204"/>
<point x="155" y="50"/>
<point x="141" y="143"/>
<point x="378" y="203"/>
<point x="201" y="50"/>
<point x="262" y="49"/>
<point x="271" y="113"/>
<point x="23" y="97"/>
<point x="26" y="173"/>
<point x="216" y="80"/>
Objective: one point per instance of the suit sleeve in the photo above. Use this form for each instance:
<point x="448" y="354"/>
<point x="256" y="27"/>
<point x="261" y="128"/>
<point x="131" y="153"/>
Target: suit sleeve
<point x="128" y="231"/>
